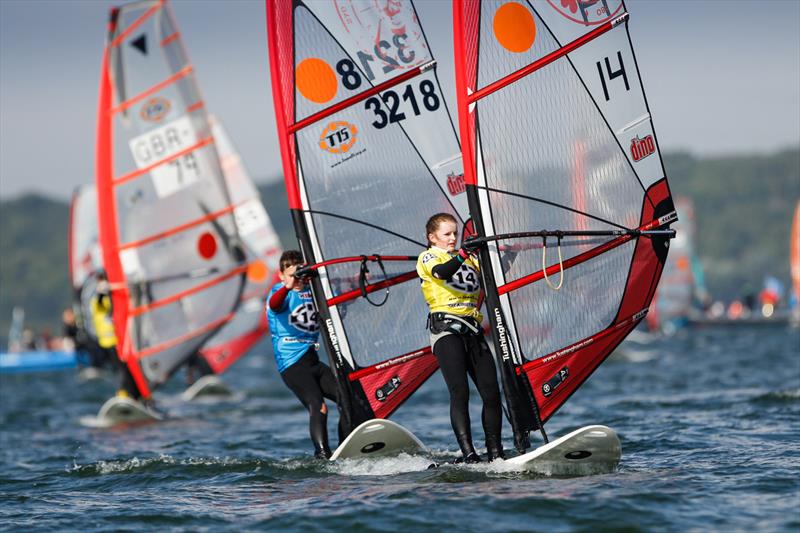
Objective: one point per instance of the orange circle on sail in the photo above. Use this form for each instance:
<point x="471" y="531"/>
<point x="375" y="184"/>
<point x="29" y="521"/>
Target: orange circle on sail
<point x="257" y="271"/>
<point x="315" y="80"/>
<point x="514" y="27"/>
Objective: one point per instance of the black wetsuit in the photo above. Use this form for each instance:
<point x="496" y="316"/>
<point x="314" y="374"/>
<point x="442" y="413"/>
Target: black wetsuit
<point x="126" y="379"/>
<point x="462" y="351"/>
<point x="459" y="356"/>
<point x="311" y="381"/>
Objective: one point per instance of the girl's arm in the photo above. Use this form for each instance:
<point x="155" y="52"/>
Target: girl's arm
<point x="446" y="270"/>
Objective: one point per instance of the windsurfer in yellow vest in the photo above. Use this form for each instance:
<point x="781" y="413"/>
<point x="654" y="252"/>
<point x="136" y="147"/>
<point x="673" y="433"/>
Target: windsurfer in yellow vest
<point x="107" y="337"/>
<point x="451" y="286"/>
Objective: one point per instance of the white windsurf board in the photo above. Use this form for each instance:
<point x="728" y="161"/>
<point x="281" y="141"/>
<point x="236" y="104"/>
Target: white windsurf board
<point x="586" y="451"/>
<point x="378" y="438"/>
<point x="206" y="386"/>
<point x="121" y="410"/>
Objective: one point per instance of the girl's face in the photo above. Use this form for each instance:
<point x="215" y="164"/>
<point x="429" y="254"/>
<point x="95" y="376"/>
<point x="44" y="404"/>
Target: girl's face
<point x="445" y="236"/>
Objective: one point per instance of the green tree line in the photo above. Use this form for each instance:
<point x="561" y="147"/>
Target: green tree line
<point x="743" y="208"/>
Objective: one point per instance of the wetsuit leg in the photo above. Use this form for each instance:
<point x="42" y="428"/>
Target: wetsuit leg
<point x="483" y="372"/>
<point x="126" y="378"/>
<point x="302" y="381"/>
<point x="453" y="361"/>
<point x="327" y="382"/>
<point x="96" y="358"/>
<point x="196" y="367"/>
<point x="330" y="391"/>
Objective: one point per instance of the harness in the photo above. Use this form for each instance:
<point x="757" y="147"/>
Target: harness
<point x="441" y="324"/>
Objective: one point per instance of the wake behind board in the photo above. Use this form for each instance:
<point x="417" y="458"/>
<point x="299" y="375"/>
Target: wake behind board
<point x="117" y="411"/>
<point x="204" y="387"/>
<point x="378" y="438"/>
<point x="586" y="451"/>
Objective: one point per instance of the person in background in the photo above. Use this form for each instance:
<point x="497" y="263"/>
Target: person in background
<point x="28" y="340"/>
<point x="102" y="313"/>
<point x="69" y="331"/>
<point x="75" y="338"/>
<point x="47" y="341"/>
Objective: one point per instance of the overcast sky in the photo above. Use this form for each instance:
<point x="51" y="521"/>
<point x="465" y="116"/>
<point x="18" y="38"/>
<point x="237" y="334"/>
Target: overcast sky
<point x="721" y="76"/>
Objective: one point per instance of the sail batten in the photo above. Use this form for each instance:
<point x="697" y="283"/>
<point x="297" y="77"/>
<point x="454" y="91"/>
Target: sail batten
<point x="123" y="106"/>
<point x="172" y="231"/>
<point x="542" y="62"/>
<point x="340" y="106"/>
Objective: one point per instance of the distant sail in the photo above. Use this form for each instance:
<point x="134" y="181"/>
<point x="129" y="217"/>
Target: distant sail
<point x="165" y="216"/>
<point x="794" y="260"/>
<point x="557" y="135"/>
<point x="679" y="288"/>
<point x="263" y="249"/>
<point x="369" y="154"/>
<point x="85" y="254"/>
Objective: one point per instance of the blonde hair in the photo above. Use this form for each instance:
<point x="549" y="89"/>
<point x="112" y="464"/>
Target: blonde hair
<point x="435" y="221"/>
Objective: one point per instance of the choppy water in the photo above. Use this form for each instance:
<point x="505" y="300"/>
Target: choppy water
<point x="709" y="423"/>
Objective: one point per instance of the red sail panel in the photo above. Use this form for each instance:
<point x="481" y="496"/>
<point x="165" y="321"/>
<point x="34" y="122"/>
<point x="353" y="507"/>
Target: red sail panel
<point x="220" y="356"/>
<point x="387" y="386"/>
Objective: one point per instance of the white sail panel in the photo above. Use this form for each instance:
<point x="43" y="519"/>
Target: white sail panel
<point x="262" y="250"/>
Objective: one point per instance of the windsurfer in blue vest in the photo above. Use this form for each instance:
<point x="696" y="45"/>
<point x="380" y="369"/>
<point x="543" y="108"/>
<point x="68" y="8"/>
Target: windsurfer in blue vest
<point x="451" y="287"/>
<point x="295" y="332"/>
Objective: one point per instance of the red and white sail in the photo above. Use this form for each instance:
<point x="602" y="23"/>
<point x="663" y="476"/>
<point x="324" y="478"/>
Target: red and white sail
<point x="794" y="260"/>
<point x="369" y="153"/>
<point x="263" y="251"/>
<point x="84" y="251"/>
<point x="557" y="135"/>
<point x="166" y="222"/>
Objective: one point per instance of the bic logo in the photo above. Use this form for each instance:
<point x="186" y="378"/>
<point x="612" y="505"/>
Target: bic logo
<point x="338" y="137"/>
<point x="155" y="109"/>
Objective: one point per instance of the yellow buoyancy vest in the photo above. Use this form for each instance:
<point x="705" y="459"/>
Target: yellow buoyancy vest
<point x="460" y="294"/>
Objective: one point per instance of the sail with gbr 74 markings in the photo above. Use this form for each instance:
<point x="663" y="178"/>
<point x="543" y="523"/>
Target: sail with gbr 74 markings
<point x="166" y="223"/>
